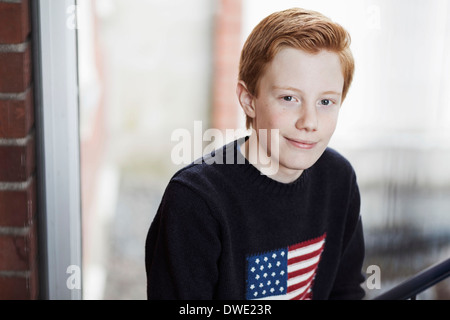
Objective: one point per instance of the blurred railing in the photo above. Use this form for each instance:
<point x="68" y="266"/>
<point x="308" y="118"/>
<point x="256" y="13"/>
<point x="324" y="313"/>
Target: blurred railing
<point x="425" y="279"/>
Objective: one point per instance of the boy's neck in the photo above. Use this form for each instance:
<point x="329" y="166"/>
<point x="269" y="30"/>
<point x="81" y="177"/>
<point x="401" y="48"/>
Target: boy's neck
<point x="267" y="165"/>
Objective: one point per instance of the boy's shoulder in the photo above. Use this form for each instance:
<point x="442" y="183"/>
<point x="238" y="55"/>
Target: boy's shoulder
<point x="334" y="156"/>
<point x="209" y="167"/>
<point x="333" y="161"/>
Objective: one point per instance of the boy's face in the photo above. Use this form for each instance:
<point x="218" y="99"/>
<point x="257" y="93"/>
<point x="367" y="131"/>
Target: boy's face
<point x="299" y="94"/>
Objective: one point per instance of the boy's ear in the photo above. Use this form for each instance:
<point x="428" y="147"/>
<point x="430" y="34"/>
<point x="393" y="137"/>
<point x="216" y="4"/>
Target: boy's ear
<point x="246" y="99"/>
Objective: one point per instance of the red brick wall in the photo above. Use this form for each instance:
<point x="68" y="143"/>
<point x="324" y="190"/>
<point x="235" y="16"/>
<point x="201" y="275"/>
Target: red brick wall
<point x="227" y="48"/>
<point x="18" y="241"/>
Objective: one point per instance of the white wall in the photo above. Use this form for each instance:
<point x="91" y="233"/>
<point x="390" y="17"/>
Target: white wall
<point x="159" y="64"/>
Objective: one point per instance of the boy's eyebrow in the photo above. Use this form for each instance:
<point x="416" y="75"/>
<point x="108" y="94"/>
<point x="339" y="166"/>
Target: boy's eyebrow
<point x="332" y="92"/>
<point x="286" y="88"/>
<point x="298" y="90"/>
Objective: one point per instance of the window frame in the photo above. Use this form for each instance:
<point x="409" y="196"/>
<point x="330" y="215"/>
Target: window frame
<point x="55" y="69"/>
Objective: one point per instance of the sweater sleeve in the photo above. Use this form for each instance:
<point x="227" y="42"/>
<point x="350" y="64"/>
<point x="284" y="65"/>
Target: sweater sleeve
<point x="349" y="277"/>
<point x="182" y="247"/>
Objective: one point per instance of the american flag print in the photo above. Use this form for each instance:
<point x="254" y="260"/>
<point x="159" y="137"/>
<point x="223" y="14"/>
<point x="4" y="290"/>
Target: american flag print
<point x="284" y="274"/>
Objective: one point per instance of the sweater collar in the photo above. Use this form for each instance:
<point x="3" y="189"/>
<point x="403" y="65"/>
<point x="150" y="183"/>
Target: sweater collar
<point x="249" y="174"/>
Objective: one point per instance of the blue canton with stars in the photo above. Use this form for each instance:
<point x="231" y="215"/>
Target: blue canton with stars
<point x="267" y="274"/>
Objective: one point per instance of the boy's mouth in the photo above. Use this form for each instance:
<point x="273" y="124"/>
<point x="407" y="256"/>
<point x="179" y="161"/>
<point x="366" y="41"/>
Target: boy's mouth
<point x="301" y="144"/>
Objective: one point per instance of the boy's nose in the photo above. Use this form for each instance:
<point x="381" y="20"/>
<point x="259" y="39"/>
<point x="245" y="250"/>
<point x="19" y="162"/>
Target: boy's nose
<point x="307" y="119"/>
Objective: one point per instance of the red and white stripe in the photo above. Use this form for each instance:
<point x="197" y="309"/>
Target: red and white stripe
<point x="303" y="260"/>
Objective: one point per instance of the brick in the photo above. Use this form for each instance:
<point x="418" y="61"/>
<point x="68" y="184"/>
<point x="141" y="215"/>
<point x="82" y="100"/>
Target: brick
<point x="18" y="243"/>
<point x="17" y="162"/>
<point x="18" y="207"/>
<point x="15" y="23"/>
<point x="15" y="70"/>
<point x="33" y="282"/>
<point x="13" y="253"/>
<point x="18" y="250"/>
<point x="19" y="285"/>
<point x="16" y="116"/>
<point x="14" y="288"/>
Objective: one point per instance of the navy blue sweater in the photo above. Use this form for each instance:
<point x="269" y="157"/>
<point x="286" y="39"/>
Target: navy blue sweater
<point x="225" y="231"/>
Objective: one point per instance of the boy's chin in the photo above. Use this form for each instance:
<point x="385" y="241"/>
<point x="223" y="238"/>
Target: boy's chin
<point x="300" y="164"/>
<point x="301" y="167"/>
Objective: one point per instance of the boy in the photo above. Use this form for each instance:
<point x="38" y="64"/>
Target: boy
<point x="239" y="230"/>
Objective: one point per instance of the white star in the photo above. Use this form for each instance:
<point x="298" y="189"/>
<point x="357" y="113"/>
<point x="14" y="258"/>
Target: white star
<point x="282" y="272"/>
<point x="265" y="275"/>
<point x="265" y="259"/>
<point x="257" y="260"/>
<point x="257" y="277"/>
<point x="255" y="294"/>
<point x="261" y="285"/>
<point x="252" y="287"/>
<point x="281" y="289"/>
<point x="269" y="265"/>
<point x="274" y="255"/>
<point x="252" y="269"/>
<point x="282" y="253"/>
<point x="272" y="290"/>
<point x="273" y="274"/>
<point x="278" y="263"/>
<point x="269" y="283"/>
<point x="277" y="282"/>
<point x="261" y="268"/>
<point x="264" y="292"/>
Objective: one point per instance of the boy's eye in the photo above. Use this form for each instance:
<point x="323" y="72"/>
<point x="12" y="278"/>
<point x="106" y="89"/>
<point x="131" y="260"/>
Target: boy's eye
<point x="325" y="102"/>
<point x="288" y="98"/>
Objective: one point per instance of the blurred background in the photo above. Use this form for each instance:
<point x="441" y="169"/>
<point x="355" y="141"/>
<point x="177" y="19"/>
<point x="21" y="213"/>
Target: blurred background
<point x="150" y="67"/>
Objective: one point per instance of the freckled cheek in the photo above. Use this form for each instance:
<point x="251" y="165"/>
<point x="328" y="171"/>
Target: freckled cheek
<point x="268" y="117"/>
<point x="281" y="119"/>
<point x="328" y="124"/>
